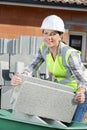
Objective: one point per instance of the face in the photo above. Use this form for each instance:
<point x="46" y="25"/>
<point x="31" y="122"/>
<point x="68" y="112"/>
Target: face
<point x="51" y="38"/>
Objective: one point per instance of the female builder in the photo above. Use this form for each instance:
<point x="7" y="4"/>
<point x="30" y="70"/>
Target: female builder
<point x="62" y="62"/>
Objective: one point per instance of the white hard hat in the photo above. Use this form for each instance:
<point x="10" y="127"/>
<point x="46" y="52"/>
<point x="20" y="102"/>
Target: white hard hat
<point x="53" y="22"/>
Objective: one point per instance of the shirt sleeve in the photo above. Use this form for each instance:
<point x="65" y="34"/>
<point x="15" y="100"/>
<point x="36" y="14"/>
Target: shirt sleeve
<point x="77" y="69"/>
<point x="35" y="64"/>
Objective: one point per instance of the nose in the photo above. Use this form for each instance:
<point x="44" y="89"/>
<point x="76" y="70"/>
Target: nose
<point x="50" y="37"/>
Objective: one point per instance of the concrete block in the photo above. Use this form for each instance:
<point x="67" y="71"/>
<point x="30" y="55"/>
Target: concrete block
<point x="46" y="83"/>
<point x="4" y="66"/>
<point x="1" y="45"/>
<point x="5" y="99"/>
<point x="35" y="44"/>
<point x="9" y="46"/>
<point x="26" y="59"/>
<point x="24" y="44"/>
<point x="19" y="67"/>
<point x="37" y="81"/>
<point x="4" y="57"/>
<point x="47" y="102"/>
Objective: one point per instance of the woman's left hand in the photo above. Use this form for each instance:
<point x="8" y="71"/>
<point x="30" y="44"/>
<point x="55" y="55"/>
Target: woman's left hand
<point x="79" y="97"/>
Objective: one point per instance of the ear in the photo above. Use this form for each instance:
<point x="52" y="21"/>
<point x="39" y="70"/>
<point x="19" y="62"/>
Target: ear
<point x="61" y="37"/>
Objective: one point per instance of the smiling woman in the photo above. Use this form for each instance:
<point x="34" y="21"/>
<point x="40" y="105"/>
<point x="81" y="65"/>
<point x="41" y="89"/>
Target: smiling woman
<point x="62" y="62"/>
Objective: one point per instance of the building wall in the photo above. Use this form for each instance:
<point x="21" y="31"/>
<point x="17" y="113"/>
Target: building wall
<point x="18" y="21"/>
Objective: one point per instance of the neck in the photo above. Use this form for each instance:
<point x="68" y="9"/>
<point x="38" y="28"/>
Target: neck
<point x="53" y="51"/>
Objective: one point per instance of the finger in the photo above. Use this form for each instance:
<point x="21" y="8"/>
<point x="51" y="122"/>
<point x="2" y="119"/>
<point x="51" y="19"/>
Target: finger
<point x="16" y="80"/>
<point x="79" y="97"/>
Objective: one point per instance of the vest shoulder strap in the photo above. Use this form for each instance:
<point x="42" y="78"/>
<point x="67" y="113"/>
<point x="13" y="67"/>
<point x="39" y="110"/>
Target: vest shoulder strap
<point x="66" y="51"/>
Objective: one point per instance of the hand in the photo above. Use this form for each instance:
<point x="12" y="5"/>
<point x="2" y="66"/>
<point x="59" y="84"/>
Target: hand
<point x="16" y="80"/>
<point x="79" y="97"/>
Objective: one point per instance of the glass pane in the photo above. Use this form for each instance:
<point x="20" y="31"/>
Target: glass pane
<point x="75" y="41"/>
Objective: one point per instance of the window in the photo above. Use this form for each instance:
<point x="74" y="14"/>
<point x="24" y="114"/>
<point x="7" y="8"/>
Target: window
<point x="77" y="40"/>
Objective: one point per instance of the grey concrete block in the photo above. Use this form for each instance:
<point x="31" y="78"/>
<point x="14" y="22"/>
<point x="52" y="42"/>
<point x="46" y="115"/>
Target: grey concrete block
<point x="5" y="99"/>
<point x="14" y="96"/>
<point x="26" y="59"/>
<point x="6" y="88"/>
<point x="1" y="45"/>
<point x="9" y="46"/>
<point x="37" y="81"/>
<point x="19" y="67"/>
<point x="4" y="57"/>
<point x="4" y="71"/>
<point x="46" y="83"/>
<point x="3" y="67"/>
<point x="43" y="101"/>
<point x="35" y="43"/>
<point x="24" y="44"/>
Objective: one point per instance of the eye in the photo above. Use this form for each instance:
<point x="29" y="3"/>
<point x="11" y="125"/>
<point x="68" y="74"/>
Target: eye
<point x="53" y="33"/>
<point x="45" y="33"/>
<point x="50" y="34"/>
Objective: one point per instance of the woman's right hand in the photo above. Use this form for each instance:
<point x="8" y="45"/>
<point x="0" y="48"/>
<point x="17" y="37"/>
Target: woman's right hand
<point x="15" y="80"/>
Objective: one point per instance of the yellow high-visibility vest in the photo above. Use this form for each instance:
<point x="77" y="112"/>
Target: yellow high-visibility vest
<point x="59" y="68"/>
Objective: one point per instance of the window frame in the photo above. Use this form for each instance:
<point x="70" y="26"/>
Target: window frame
<point x="84" y="47"/>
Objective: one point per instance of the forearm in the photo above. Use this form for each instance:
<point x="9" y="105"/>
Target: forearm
<point x="81" y="90"/>
<point x="35" y="64"/>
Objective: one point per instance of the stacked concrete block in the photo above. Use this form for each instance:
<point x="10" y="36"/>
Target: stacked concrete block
<point x="23" y="59"/>
<point x="1" y="45"/>
<point x="20" y="61"/>
<point x="46" y="102"/>
<point x="35" y="43"/>
<point x="5" y="71"/>
<point x="24" y="44"/>
<point x="19" y="67"/>
<point x="4" y="57"/>
<point x="33" y="46"/>
<point x="5" y="97"/>
<point x="9" y="46"/>
<point x="21" y="45"/>
<point x="4" y="66"/>
<point x="4" y="79"/>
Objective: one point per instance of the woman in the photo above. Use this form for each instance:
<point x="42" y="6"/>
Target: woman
<point x="63" y="62"/>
